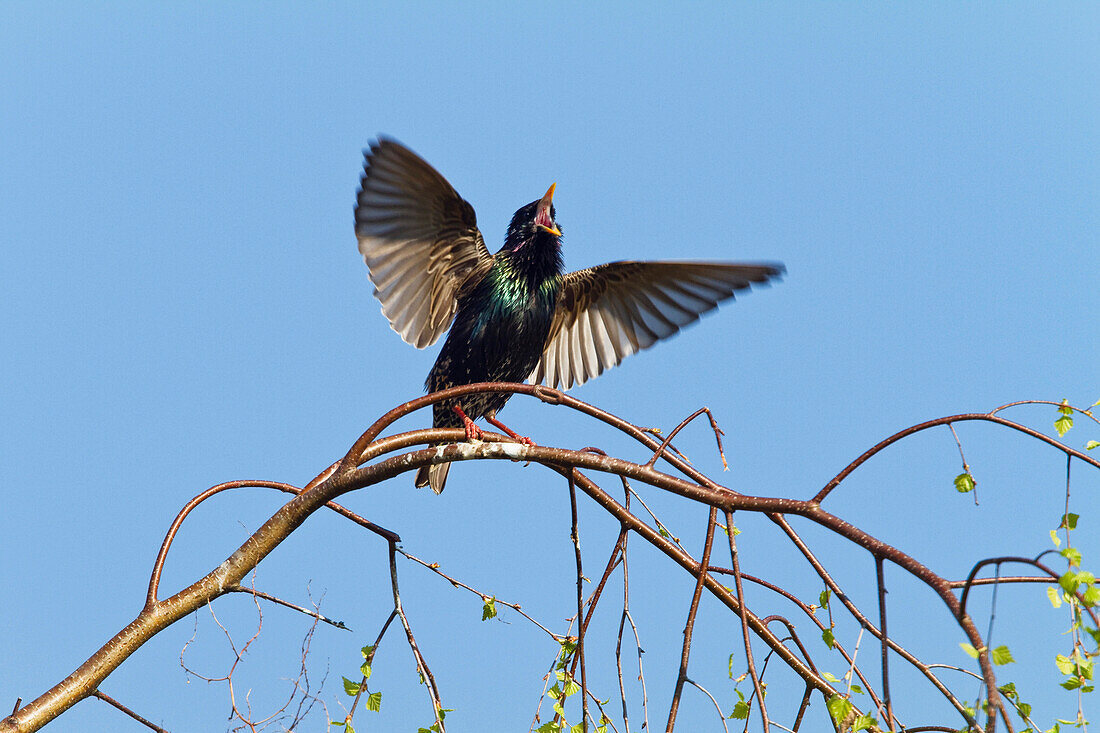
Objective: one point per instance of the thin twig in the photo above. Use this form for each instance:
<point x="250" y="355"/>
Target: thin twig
<point x="880" y="579"/>
<point x="421" y="663"/>
<point x="689" y="627"/>
<point x="287" y="604"/>
<point x="966" y="466"/>
<point x="705" y="691"/>
<point x="574" y="533"/>
<point x="757" y="686"/>
<point x="434" y="567"/>
<point x="368" y="661"/>
<point x="99" y="694"/>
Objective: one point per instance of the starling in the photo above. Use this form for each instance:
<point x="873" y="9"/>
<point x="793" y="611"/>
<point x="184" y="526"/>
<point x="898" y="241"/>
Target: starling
<point x="513" y="315"/>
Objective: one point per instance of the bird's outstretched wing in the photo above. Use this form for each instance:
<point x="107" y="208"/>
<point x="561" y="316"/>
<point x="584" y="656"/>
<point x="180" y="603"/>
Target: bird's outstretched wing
<point x="609" y="312"/>
<point x="419" y="239"/>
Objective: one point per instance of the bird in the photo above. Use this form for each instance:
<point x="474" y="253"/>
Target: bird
<point x="514" y="315"/>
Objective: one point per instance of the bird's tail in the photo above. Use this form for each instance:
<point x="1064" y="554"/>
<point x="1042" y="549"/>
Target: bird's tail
<point x="434" y="476"/>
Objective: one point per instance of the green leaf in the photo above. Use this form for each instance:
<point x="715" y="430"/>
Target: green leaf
<point x="554" y="692"/>
<point x="838" y="708"/>
<point x="1084" y="667"/>
<point x="1073" y="555"/>
<point x="365" y="669"/>
<point x="740" y="711"/>
<point x="348" y="728"/>
<point x="578" y="728"/>
<point x="1092" y="444"/>
<point x="1072" y="683"/>
<point x="1064" y="423"/>
<point x="1065" y="664"/>
<point x="863" y="722"/>
<point x="970" y="650"/>
<point x="1065" y="409"/>
<point x="1069" y="521"/>
<point x="571" y="686"/>
<point x="559" y="709"/>
<point x="1054" y="538"/>
<point x="367" y="651"/>
<point x="828" y="638"/>
<point x="964" y="483"/>
<point x="857" y="689"/>
<point x="374" y="702"/>
<point x="662" y="531"/>
<point x="1092" y="596"/>
<point x="489" y="610"/>
<point x="1055" y="596"/>
<point x="831" y="678"/>
<point x="823" y="598"/>
<point x="1001" y="655"/>
<point x="351" y="688"/>
<point x="550" y="727"/>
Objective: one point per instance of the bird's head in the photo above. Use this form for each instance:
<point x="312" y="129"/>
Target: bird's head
<point x="534" y="223"/>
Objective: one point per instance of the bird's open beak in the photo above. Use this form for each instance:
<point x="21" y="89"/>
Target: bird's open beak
<point x="542" y="215"/>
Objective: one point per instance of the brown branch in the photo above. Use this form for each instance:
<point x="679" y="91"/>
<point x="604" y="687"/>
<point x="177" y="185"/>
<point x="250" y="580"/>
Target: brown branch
<point x="287" y="604"/>
<point x="714" y="426"/>
<point x="574" y="534"/>
<point x="880" y="582"/>
<point x="705" y="691"/>
<point x="434" y="567"/>
<point x="345" y="475"/>
<point x="98" y="694"/>
<point x="369" y="660"/>
<point x="421" y="663"/>
<point x="158" y="565"/>
<point x="984" y="417"/>
<point x="757" y="687"/>
<point x="689" y="627"/>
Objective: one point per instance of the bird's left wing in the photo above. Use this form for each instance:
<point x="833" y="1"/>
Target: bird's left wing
<point x="419" y="239"/>
<point x="609" y="312"/>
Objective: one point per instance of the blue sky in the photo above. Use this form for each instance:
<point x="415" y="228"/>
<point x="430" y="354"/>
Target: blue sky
<point x="184" y="304"/>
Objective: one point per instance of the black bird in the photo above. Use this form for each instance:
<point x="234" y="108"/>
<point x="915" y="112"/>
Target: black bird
<point x="515" y="315"/>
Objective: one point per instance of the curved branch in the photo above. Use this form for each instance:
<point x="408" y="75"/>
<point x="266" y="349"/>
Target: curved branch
<point x="981" y="416"/>
<point x="350" y="473"/>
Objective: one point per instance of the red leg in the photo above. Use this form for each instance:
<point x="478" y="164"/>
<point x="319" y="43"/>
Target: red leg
<point x="473" y="432"/>
<point x="492" y="418"/>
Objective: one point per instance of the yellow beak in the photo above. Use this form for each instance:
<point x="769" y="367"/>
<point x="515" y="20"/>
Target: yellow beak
<point x="544" y="209"/>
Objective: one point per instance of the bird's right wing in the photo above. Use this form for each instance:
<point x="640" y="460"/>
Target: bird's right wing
<point x="419" y="239"/>
<point x="606" y="313"/>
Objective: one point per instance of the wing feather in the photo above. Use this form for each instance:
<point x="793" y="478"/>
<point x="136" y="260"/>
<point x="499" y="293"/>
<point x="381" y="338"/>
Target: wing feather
<point x="607" y="313"/>
<point x="419" y="239"/>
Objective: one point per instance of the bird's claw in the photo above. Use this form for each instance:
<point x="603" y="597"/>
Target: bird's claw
<point x="473" y="432"/>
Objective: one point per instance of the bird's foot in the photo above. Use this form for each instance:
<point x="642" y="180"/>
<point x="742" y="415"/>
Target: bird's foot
<point x="511" y="433"/>
<point x="473" y="432"/>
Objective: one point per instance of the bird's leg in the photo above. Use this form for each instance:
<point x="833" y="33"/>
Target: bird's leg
<point x="492" y="418"/>
<point x="473" y="432"/>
